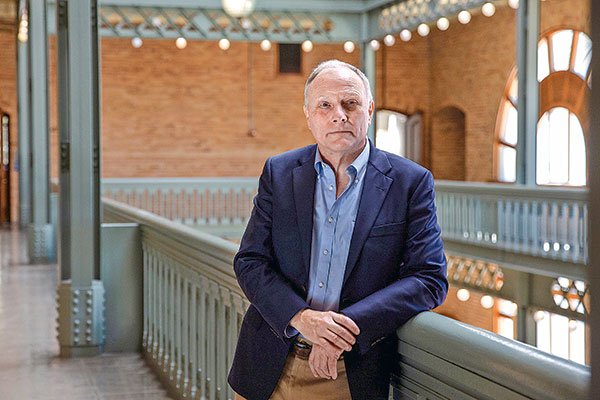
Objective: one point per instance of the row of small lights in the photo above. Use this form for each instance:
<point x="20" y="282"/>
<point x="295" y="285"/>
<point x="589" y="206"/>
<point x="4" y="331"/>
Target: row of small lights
<point x="487" y="301"/>
<point x="464" y="17"/>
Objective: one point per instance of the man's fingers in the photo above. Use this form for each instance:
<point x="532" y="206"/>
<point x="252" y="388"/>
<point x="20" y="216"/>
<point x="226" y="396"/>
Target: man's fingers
<point x="340" y="342"/>
<point x="346" y="322"/>
<point x="343" y="335"/>
<point x="332" y="367"/>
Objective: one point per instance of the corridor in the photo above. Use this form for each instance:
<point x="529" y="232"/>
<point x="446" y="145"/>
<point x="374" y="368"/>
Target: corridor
<point x="29" y="364"/>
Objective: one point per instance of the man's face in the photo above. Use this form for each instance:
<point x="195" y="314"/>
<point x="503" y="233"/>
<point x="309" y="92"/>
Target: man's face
<point x="338" y="111"/>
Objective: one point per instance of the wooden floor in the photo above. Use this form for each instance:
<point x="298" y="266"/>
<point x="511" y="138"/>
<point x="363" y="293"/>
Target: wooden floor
<point x="29" y="364"/>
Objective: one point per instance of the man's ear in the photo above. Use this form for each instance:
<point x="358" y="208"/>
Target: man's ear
<point x="305" y="112"/>
<point x="371" y="110"/>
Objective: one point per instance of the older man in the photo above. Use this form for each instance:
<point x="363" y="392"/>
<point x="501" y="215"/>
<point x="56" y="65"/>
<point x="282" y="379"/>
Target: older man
<point x="341" y="249"/>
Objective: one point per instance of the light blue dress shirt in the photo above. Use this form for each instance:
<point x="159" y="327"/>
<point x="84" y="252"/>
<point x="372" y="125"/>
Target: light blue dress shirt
<point x="333" y="225"/>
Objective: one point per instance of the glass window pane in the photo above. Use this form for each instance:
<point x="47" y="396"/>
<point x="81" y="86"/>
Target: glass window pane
<point x="507" y="164"/>
<point x="583" y="55"/>
<point x="559" y="340"/>
<point x="390" y="135"/>
<point x="509" y="131"/>
<point x="507" y="307"/>
<point x="543" y="152"/>
<point x="543" y="331"/>
<point x="513" y="92"/>
<point x="561" y="50"/>
<point x="506" y="327"/>
<point x="559" y="144"/>
<point x="543" y="66"/>
<point x="577" y="156"/>
<point x="577" y="341"/>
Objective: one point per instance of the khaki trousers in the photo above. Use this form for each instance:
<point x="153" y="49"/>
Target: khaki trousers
<point x="298" y="383"/>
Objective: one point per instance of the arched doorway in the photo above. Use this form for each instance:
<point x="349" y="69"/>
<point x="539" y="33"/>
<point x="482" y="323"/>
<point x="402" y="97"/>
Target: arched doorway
<point x="4" y="168"/>
<point x="448" y="144"/>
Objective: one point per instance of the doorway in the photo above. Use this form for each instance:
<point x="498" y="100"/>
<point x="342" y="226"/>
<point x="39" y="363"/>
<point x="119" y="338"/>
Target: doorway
<point x="4" y="168"/>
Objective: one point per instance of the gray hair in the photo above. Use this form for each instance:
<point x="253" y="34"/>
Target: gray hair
<point x="335" y="64"/>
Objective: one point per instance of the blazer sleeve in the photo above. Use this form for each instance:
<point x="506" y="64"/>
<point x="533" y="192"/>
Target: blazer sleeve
<point x="256" y="270"/>
<point x="422" y="283"/>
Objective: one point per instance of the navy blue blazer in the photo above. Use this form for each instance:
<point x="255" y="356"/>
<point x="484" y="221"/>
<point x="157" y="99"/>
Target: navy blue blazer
<point x="396" y="268"/>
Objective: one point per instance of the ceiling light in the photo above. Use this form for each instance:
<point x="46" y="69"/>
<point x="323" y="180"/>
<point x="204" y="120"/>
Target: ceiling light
<point x="405" y="35"/>
<point x="464" y="17"/>
<point x="487" y="302"/>
<point x="238" y="8"/>
<point x="513" y="4"/>
<point x="375" y="44"/>
<point x="389" y="40"/>
<point x="224" y="44"/>
<point x="349" y="47"/>
<point x="136" y="42"/>
<point x="463" y="294"/>
<point x="181" y="43"/>
<point x="265" y="45"/>
<point x="307" y="46"/>
<point x="423" y="30"/>
<point x="443" y="23"/>
<point x="488" y="9"/>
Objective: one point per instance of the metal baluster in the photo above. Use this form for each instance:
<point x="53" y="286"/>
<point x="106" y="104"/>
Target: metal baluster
<point x="223" y="302"/>
<point x="193" y="340"/>
<point x="185" y="339"/>
<point x="178" y="323"/>
<point x="202" y="342"/>
<point x="146" y="288"/>
<point x="211" y="341"/>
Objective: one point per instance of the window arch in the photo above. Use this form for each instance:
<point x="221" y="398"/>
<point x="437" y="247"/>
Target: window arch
<point x="565" y="78"/>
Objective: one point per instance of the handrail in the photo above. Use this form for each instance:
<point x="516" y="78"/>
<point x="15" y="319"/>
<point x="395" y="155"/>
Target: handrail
<point x="193" y="309"/>
<point x="460" y="358"/>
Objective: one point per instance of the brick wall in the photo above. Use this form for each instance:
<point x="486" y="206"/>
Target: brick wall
<point x="470" y="312"/>
<point x="466" y="67"/>
<point x="170" y="112"/>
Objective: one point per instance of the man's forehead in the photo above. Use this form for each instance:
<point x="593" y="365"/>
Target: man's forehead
<point x="343" y="78"/>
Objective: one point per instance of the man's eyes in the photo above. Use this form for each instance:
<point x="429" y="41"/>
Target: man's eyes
<point x="349" y="104"/>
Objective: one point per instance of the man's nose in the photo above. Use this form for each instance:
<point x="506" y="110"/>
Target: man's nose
<point x="339" y="115"/>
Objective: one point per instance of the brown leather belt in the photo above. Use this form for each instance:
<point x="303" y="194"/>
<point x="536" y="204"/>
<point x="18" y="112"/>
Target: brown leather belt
<point x="301" y="349"/>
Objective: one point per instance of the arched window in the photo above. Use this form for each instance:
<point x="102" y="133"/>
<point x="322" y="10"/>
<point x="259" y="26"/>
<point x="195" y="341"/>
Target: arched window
<point x="564" y="74"/>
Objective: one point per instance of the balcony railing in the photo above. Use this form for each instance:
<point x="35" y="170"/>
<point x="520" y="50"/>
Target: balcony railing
<point x="193" y="201"/>
<point x="544" y="223"/>
<point x="192" y="312"/>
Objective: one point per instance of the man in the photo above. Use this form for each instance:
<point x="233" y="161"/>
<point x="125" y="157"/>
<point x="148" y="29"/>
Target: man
<point x="341" y="249"/>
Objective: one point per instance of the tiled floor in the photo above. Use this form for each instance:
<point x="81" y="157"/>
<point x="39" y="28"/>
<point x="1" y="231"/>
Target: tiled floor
<point x="29" y="364"/>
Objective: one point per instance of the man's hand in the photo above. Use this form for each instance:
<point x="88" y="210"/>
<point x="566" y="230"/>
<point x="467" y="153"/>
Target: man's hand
<point x="330" y="333"/>
<point x="323" y="364"/>
<point x="328" y="329"/>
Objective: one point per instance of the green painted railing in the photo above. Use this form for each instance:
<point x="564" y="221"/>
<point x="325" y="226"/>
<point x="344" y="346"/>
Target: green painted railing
<point x="441" y="358"/>
<point x="193" y="308"/>
<point x="193" y="201"/>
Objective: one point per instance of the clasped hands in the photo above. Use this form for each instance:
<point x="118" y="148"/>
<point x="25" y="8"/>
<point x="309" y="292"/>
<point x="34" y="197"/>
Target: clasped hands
<point x="330" y="333"/>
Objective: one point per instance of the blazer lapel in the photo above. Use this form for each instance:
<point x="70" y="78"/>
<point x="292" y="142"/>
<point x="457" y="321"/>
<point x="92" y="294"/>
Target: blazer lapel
<point x="304" y="177"/>
<point x="375" y="189"/>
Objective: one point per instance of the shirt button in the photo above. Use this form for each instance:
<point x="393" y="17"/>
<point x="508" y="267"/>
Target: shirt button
<point x="330" y="187"/>
<point x="321" y="284"/>
<point x="325" y="252"/>
<point x="330" y="219"/>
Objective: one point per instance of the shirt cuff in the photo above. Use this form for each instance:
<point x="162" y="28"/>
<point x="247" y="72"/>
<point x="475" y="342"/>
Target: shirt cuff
<point x="290" y="332"/>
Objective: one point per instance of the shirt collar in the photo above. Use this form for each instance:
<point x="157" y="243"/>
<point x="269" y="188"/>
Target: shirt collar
<point x="359" y="163"/>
